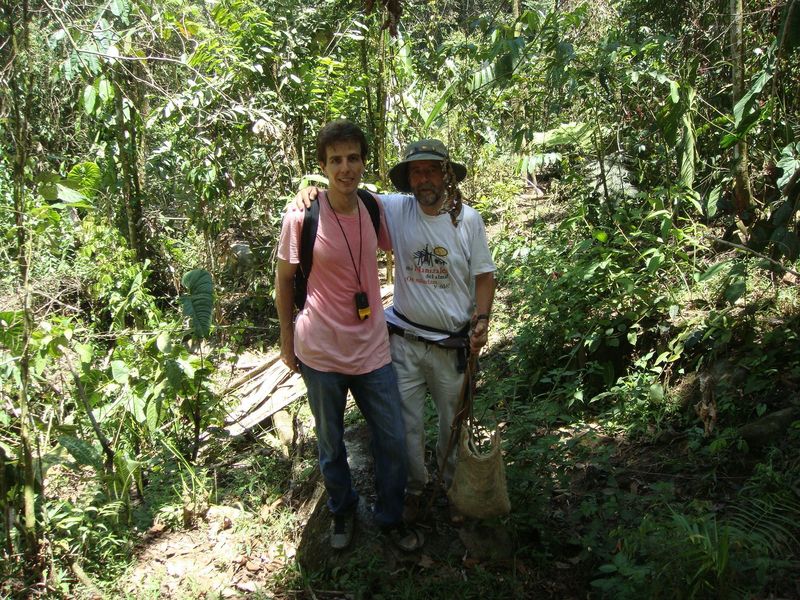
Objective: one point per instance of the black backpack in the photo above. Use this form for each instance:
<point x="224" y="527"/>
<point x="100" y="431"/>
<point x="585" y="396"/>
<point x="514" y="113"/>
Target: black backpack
<point x="308" y="236"/>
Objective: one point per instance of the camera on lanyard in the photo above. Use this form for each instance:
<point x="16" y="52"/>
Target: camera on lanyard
<point x="362" y="306"/>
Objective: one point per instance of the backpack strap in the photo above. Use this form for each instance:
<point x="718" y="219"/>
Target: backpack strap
<point x="308" y="235"/>
<point x="311" y="221"/>
<point x="372" y="207"/>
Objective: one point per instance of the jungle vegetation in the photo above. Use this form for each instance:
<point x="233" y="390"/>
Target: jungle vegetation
<point x="636" y="163"/>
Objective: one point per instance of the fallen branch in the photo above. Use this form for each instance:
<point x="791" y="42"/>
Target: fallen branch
<point x="87" y="406"/>
<point x="81" y="576"/>
<point x="252" y="373"/>
<point x="751" y="251"/>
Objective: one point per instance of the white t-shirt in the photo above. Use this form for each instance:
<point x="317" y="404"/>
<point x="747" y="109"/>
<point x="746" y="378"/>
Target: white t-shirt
<point x="435" y="265"/>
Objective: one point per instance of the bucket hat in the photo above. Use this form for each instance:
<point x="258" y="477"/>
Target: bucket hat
<point x="422" y="150"/>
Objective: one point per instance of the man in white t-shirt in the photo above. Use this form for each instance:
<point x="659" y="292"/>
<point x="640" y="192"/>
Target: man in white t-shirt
<point x="444" y="289"/>
<point x="444" y="285"/>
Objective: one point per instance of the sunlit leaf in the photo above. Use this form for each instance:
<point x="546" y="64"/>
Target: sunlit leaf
<point x="164" y="342"/>
<point x="437" y="108"/>
<point x="655" y="262"/>
<point x="187" y="367"/>
<point x="735" y="290"/>
<point x="85" y="352"/>
<point x="85" y="178"/>
<point x="89" y="99"/>
<point x="152" y="413"/>
<point x="82" y="451"/>
<point x="579" y="134"/>
<point x="711" y="201"/>
<point x="657" y="392"/>
<point x="120" y="371"/>
<point x="789" y="162"/>
<point x="674" y="92"/>
<point x="68" y="194"/>
<point x="746" y="102"/>
<point x="135" y="404"/>
<point x="713" y="270"/>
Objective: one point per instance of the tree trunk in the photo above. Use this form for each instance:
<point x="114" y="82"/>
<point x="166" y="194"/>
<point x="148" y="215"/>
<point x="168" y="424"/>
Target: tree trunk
<point x="742" y="190"/>
<point x="20" y="86"/>
<point x="143" y="112"/>
<point x="380" y="105"/>
<point x="8" y="523"/>
<point x="126" y="162"/>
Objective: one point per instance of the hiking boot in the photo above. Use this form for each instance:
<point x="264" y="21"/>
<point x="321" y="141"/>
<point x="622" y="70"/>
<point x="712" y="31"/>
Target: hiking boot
<point x="407" y="538"/>
<point x="342" y="530"/>
<point x="412" y="508"/>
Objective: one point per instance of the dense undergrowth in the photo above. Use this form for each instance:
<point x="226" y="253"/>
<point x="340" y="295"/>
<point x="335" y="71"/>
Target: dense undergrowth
<point x="644" y="361"/>
<point x="626" y="387"/>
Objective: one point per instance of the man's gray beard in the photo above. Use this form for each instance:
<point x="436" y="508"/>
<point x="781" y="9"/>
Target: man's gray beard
<point x="429" y="198"/>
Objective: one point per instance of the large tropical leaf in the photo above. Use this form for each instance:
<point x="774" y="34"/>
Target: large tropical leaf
<point x="579" y="134"/>
<point x="82" y="451"/>
<point x="85" y="177"/>
<point x="198" y="305"/>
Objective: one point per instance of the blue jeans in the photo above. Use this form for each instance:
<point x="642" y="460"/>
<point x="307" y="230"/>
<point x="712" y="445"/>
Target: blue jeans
<point x="378" y="399"/>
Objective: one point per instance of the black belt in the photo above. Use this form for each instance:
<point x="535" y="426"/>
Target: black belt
<point x="460" y="343"/>
<point x="407" y="334"/>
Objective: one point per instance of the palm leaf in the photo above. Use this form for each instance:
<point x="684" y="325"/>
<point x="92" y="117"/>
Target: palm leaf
<point x="772" y="523"/>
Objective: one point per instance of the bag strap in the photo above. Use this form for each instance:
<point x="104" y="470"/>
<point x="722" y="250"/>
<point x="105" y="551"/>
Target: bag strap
<point x="464" y="413"/>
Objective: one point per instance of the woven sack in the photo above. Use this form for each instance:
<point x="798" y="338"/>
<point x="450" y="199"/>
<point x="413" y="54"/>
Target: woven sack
<point x="479" y="484"/>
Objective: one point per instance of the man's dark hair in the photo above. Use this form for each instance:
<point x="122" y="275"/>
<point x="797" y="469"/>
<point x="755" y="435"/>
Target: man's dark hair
<point x="340" y="130"/>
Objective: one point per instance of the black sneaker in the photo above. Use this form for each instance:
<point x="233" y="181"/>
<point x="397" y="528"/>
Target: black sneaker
<point x="342" y="530"/>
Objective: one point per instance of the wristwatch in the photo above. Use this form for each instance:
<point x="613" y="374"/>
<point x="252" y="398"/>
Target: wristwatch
<point x="482" y="317"/>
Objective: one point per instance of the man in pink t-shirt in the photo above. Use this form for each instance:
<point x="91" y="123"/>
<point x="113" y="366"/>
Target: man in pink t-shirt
<point x="337" y="347"/>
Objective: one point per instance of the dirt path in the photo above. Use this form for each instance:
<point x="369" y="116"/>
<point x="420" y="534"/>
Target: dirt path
<point x="231" y="553"/>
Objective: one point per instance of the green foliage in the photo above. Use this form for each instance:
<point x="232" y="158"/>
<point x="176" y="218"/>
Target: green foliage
<point x="613" y="297"/>
<point x="87" y="531"/>
<point x="86" y="177"/>
<point x="701" y="555"/>
<point x="199" y="304"/>
<point x="117" y="285"/>
<point x="84" y="453"/>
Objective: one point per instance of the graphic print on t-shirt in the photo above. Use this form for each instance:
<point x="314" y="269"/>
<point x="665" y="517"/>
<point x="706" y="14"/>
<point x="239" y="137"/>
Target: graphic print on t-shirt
<point x="429" y="267"/>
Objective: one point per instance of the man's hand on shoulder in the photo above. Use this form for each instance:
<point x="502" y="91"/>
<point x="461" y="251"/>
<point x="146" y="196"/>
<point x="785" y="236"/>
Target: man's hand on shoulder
<point x="304" y="198"/>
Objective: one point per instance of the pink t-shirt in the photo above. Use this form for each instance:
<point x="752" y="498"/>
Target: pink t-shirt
<point x="328" y="336"/>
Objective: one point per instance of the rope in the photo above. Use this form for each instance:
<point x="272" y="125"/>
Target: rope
<point x="452" y="203"/>
<point x="464" y="413"/>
